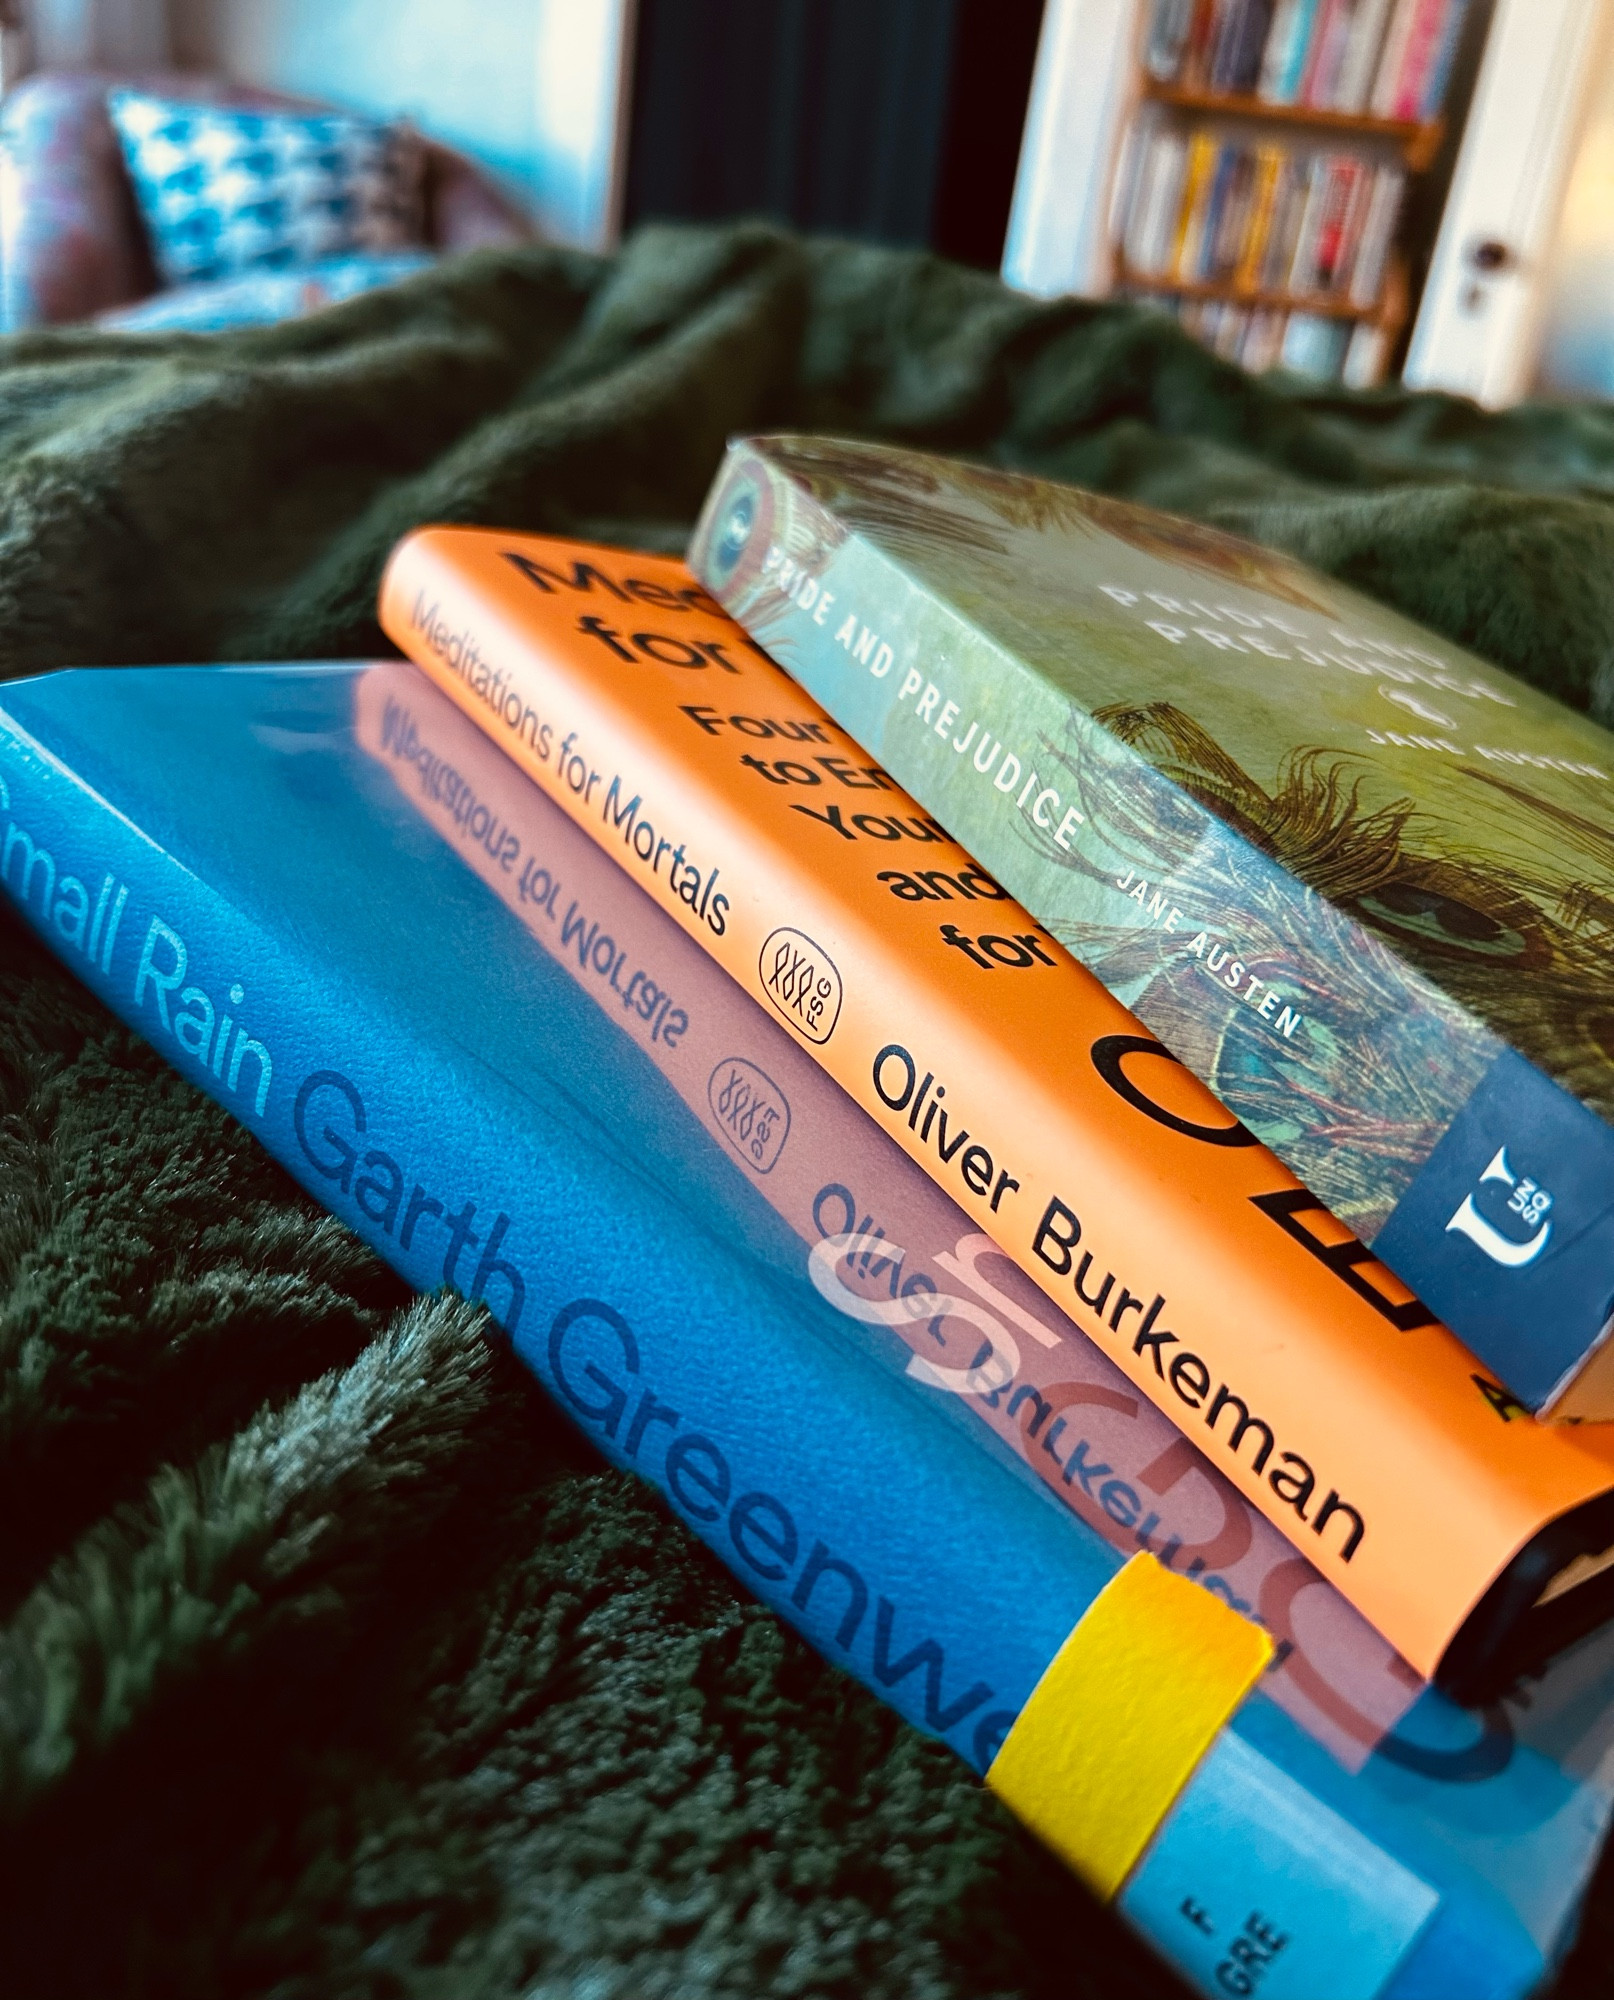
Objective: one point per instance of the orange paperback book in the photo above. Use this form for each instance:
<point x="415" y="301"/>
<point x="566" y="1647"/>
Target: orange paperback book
<point x="1472" y="1537"/>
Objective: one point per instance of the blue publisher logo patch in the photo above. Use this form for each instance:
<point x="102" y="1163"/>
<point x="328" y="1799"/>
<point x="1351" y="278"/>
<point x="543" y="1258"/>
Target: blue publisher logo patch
<point x="1509" y="1229"/>
<point x="1527" y="1204"/>
<point x="734" y="531"/>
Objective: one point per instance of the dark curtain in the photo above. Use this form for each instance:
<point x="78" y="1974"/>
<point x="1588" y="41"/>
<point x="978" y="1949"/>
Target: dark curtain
<point x="893" y="121"/>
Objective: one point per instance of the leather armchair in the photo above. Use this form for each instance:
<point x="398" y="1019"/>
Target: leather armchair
<point x="71" y="239"/>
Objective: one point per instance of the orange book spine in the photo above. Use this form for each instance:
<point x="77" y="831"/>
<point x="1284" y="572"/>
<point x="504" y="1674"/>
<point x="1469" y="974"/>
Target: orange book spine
<point x="1186" y="252"/>
<point x="1228" y="1296"/>
<point x="1269" y="163"/>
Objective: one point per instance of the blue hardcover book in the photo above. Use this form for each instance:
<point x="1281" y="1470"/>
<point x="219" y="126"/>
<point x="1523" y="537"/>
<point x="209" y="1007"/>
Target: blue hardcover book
<point x="303" y="888"/>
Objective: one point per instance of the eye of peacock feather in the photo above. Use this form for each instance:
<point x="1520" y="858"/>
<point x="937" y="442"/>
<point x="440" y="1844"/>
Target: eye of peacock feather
<point x="1436" y="917"/>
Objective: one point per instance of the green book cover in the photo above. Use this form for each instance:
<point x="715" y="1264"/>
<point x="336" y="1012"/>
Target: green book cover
<point x="1360" y="881"/>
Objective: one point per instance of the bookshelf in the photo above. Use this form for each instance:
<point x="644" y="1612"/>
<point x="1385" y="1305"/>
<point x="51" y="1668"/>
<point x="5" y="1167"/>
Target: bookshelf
<point x="1259" y="168"/>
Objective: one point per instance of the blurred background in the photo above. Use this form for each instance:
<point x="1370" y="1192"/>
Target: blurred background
<point x="1358" y="190"/>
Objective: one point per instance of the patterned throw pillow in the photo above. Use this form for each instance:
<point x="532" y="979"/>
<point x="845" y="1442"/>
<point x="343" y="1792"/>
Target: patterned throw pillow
<point x="223" y="190"/>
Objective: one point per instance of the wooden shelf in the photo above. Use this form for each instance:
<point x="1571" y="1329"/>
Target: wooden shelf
<point x="1418" y="141"/>
<point x="1326" y="305"/>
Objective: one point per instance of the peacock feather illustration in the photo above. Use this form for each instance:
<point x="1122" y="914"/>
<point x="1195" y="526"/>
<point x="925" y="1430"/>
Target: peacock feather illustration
<point x="1375" y="1076"/>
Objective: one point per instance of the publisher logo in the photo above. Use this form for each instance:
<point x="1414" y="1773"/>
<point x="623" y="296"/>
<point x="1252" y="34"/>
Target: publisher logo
<point x="736" y="529"/>
<point x="801" y="981"/>
<point x="750" y="1110"/>
<point x="1526" y="1207"/>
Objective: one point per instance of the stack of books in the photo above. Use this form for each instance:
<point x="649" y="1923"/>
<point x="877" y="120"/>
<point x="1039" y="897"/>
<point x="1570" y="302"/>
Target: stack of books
<point x="1390" y="58"/>
<point x="1043" y="1072"/>
<point x="1273" y="223"/>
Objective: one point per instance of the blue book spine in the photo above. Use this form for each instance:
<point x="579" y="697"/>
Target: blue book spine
<point x="1298" y="53"/>
<point x="930" y="1572"/>
<point x="1440" y="69"/>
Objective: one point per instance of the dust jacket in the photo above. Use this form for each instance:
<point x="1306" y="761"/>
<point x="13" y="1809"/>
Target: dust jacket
<point x="1359" y="881"/>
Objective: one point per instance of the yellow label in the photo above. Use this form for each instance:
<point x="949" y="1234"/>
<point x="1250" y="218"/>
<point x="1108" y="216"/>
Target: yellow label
<point x="1116" y="1726"/>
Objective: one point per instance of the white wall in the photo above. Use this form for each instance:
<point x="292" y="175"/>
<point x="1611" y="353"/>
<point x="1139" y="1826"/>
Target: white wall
<point x="530" y="88"/>
<point x="74" y="34"/>
<point x="1577" y="352"/>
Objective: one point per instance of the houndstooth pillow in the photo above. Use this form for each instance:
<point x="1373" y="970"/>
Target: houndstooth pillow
<point x="223" y="190"/>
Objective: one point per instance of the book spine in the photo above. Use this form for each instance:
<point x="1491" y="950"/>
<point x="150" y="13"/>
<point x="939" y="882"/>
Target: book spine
<point x="1361" y="58"/>
<point x="1366" y="357"/>
<point x="1288" y="202"/>
<point x="1418" y="59"/>
<point x="1264" y="340"/>
<point x="1397" y="1136"/>
<point x="1388" y="77"/>
<point x="846" y="1509"/>
<point x="1345" y="33"/>
<point x="1321" y="58"/>
<point x="1229" y="34"/>
<point x="1359" y="181"/>
<point x="1314" y="344"/>
<point x="1263" y="200"/>
<point x="1201" y="45"/>
<point x="1136" y="195"/>
<point x="1301" y="277"/>
<point x="1299" y="52"/>
<point x="1378" y="232"/>
<point x="1148" y="207"/>
<point x="1287" y="21"/>
<point x="1443" y="60"/>
<point x="1132" y="166"/>
<point x="1338" y="187"/>
<point x="796" y="871"/>
<point x="1229" y="17"/>
<point x="1245" y="67"/>
<point x="1168" y="37"/>
<point x="1171" y="154"/>
<point x="1220" y="216"/>
<point x="1204" y="149"/>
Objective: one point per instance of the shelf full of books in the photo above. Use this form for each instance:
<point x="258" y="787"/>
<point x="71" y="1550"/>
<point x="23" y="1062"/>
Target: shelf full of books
<point x="1266" y="170"/>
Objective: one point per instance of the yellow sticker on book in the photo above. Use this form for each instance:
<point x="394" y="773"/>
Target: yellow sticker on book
<point x="1126" y="1709"/>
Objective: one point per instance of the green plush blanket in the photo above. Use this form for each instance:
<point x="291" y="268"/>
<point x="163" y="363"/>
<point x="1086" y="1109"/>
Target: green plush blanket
<point x="331" y="1661"/>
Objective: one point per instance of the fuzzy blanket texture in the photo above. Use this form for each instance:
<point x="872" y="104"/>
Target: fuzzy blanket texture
<point x="332" y="1662"/>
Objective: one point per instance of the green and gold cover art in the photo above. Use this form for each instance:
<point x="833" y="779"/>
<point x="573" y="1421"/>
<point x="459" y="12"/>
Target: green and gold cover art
<point x="1337" y="864"/>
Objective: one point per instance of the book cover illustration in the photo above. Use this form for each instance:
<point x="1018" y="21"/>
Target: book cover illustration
<point x="1361" y="883"/>
<point x="406" y="1045"/>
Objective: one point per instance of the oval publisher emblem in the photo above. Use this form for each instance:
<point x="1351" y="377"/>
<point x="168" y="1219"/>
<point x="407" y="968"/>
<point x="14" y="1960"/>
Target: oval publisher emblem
<point x="750" y="1110"/>
<point x="801" y="980"/>
<point x="734" y="528"/>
